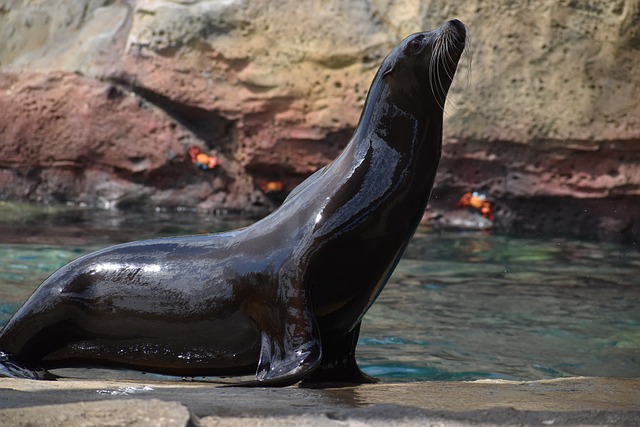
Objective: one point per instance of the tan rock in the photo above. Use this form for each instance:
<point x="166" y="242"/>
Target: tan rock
<point x="549" y="110"/>
<point x="134" y="413"/>
<point x="564" y="401"/>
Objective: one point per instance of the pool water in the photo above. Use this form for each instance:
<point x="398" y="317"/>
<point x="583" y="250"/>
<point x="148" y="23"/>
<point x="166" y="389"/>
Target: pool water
<point x="460" y="305"/>
<point x="474" y="305"/>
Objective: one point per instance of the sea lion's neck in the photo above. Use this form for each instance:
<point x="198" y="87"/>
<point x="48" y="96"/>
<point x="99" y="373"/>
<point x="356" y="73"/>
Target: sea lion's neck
<point x="400" y="137"/>
<point x="396" y="121"/>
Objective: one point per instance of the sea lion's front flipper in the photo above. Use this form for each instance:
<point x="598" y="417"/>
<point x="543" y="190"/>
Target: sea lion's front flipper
<point x="277" y="369"/>
<point x="290" y="346"/>
<point x="339" y="363"/>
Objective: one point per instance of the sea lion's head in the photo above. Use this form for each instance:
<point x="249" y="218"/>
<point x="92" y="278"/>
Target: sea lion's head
<point x="422" y="66"/>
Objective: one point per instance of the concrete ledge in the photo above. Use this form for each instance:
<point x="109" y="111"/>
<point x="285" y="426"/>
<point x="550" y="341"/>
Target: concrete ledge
<point x="567" y="401"/>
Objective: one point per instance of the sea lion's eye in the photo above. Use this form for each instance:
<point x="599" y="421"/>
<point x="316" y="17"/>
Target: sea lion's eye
<point x="414" y="46"/>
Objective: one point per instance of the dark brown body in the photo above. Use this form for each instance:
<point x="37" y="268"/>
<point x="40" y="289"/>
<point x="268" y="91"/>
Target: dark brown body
<point x="284" y="297"/>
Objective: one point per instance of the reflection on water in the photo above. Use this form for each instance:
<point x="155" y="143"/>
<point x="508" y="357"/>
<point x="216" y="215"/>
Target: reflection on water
<point x="470" y="305"/>
<point x="461" y="305"/>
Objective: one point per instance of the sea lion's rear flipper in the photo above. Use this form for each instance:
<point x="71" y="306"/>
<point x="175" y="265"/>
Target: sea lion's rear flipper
<point x="12" y="369"/>
<point x="339" y="362"/>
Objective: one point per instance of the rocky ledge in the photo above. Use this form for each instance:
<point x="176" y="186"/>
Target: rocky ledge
<point x="567" y="401"/>
<point x="101" y="101"/>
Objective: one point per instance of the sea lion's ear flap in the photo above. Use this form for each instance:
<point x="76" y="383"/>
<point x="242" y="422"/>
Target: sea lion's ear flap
<point x="388" y="71"/>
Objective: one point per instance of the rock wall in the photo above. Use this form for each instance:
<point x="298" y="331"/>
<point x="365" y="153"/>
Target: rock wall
<point x="101" y="100"/>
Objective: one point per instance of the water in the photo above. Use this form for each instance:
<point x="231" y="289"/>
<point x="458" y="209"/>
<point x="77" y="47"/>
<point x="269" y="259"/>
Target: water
<point x="460" y="305"/>
<point x="472" y="305"/>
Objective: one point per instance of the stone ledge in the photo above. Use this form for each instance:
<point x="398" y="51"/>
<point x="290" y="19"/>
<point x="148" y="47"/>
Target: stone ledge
<point x="567" y="401"/>
<point x="135" y="412"/>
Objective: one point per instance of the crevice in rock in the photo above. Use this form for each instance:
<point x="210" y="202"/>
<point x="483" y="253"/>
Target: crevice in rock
<point x="213" y="129"/>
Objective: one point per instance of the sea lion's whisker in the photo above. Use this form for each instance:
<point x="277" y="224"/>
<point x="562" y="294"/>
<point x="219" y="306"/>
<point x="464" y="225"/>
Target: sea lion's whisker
<point x="258" y="281"/>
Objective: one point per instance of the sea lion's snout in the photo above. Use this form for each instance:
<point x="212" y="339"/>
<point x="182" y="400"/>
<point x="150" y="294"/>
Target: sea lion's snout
<point x="456" y="29"/>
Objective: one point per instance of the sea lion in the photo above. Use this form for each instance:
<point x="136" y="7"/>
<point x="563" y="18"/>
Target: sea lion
<point x="284" y="297"/>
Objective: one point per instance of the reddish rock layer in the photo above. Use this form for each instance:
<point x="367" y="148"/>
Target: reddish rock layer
<point x="101" y="101"/>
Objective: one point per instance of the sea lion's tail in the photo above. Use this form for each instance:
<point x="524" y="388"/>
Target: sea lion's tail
<point x="10" y="368"/>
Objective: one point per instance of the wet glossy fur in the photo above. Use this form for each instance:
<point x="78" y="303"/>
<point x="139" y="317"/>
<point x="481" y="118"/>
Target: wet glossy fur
<point x="282" y="298"/>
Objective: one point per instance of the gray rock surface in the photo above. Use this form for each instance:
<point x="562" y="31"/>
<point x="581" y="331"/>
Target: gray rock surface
<point x="135" y="412"/>
<point x="568" y="401"/>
